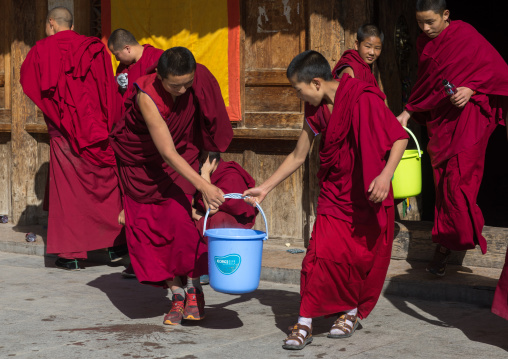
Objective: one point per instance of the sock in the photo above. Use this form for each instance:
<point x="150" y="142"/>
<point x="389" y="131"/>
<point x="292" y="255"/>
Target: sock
<point x="179" y="293"/>
<point x="348" y="322"/>
<point x="302" y="321"/>
<point x="194" y="283"/>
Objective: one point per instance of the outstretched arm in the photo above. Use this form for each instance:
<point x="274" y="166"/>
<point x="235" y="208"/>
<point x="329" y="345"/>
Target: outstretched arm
<point x="380" y="186"/>
<point x="164" y="142"/>
<point x="292" y="162"/>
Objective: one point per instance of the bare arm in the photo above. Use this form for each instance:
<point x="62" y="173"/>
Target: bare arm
<point x="292" y="162"/>
<point x="164" y="142"/>
<point x="380" y="186"/>
<point x="347" y="70"/>
<point x="404" y="117"/>
<point x="206" y="173"/>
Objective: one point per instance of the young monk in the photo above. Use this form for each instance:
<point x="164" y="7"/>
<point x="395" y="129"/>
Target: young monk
<point x="362" y="143"/>
<point x="176" y="111"/>
<point x="358" y="63"/>
<point x="459" y="126"/>
<point x="135" y="59"/>
<point x="230" y="177"/>
<point x="70" y="78"/>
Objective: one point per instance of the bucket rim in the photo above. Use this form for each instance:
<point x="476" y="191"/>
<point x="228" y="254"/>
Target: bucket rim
<point x="253" y="234"/>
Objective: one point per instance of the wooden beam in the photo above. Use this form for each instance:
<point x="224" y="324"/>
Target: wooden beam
<point x="5" y="127"/>
<point x="273" y="120"/>
<point x="2" y="79"/>
<point x="266" y="134"/>
<point x="266" y="78"/>
<point x="5" y="116"/>
<point x="36" y="128"/>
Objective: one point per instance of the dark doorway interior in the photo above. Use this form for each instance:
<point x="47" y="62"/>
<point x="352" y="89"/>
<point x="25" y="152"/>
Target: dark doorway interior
<point x="489" y="20"/>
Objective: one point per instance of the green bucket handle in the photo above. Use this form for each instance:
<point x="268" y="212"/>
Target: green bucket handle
<point x="416" y="141"/>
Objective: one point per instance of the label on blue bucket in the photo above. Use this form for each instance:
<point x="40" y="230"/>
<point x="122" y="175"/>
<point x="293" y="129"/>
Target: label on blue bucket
<point x="228" y="264"/>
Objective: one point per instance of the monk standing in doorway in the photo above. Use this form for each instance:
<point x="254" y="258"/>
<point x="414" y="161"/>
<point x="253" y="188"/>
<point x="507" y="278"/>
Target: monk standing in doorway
<point x="459" y="123"/>
<point x="70" y="78"/>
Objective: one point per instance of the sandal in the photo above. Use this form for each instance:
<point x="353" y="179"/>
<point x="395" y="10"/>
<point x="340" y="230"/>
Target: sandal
<point x="341" y="324"/>
<point x="297" y="336"/>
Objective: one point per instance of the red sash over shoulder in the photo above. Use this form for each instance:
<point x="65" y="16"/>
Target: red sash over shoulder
<point x="357" y="138"/>
<point x="463" y="57"/>
<point x="70" y="78"/>
<point x="362" y="70"/>
<point x="196" y="120"/>
<point x="136" y="70"/>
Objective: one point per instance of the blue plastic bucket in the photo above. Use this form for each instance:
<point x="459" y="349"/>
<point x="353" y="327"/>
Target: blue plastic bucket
<point x="234" y="256"/>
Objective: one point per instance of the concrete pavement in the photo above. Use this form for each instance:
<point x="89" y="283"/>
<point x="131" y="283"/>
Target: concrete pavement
<point x="95" y="313"/>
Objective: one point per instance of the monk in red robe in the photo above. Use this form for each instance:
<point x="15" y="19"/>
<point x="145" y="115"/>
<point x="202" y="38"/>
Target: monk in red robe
<point x="358" y="63"/>
<point x="135" y="60"/>
<point x="459" y="126"/>
<point x="230" y="177"/>
<point x="175" y="112"/>
<point x="362" y="143"/>
<point x="70" y="78"/>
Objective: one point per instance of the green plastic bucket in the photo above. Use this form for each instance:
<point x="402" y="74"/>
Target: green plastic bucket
<point x="407" y="179"/>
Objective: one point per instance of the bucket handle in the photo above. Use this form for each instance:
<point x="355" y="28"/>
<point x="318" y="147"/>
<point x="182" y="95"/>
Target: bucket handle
<point x="416" y="141"/>
<point x="238" y="196"/>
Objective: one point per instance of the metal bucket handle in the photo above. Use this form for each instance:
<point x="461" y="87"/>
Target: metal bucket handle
<point x="416" y="141"/>
<point x="238" y="196"/>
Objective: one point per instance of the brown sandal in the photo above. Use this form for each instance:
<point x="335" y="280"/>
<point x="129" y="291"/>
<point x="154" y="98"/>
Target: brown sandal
<point x="297" y="336"/>
<point x="341" y="324"/>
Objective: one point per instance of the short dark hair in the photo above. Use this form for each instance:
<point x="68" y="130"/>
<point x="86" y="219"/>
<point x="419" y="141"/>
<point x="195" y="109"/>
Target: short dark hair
<point x="213" y="156"/>
<point x="438" y="6"/>
<point x="176" y="61"/>
<point x="368" y="30"/>
<point x="308" y="65"/>
<point x="121" y="37"/>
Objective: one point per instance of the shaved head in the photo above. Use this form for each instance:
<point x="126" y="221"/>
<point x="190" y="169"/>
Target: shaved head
<point x="121" y="37"/>
<point x="62" y="16"/>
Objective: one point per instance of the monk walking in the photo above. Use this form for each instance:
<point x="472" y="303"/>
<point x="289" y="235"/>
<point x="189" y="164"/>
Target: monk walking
<point x="459" y="123"/>
<point x="358" y="62"/>
<point x="176" y="111"/>
<point x="362" y="143"/>
<point x="70" y="78"/>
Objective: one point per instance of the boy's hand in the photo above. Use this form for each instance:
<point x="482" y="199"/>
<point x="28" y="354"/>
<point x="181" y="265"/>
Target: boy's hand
<point x="256" y="195"/>
<point x="207" y="168"/>
<point x="213" y="196"/>
<point x="379" y="188"/>
<point x="196" y="215"/>
<point x="121" y="218"/>
<point x="461" y="98"/>
<point x="403" y="118"/>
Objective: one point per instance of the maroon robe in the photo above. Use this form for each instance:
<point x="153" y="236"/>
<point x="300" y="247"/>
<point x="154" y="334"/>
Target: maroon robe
<point x="70" y="78"/>
<point x="361" y="69"/>
<point x="463" y="57"/>
<point x="139" y="68"/>
<point x="500" y="303"/>
<point x="162" y="238"/>
<point x="349" y="252"/>
<point x="230" y="177"/>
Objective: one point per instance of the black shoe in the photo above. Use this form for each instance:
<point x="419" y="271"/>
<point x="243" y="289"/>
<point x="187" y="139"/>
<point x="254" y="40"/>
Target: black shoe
<point x="68" y="264"/>
<point x="438" y="264"/>
<point x="118" y="252"/>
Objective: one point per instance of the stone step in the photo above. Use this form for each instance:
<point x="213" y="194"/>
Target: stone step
<point x="413" y="242"/>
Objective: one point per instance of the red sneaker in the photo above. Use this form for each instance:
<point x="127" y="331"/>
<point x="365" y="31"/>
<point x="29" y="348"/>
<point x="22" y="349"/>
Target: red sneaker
<point x="194" y="305"/>
<point x="174" y="317"/>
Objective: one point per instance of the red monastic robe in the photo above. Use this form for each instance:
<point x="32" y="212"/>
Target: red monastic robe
<point x="162" y="238"/>
<point x="500" y="304"/>
<point x="134" y="71"/>
<point x="70" y="78"/>
<point x="458" y="137"/>
<point x="362" y="70"/>
<point x="230" y="177"/>
<point x="349" y="252"/>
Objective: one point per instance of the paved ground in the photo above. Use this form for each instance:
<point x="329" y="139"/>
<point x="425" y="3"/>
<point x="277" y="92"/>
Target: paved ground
<point x="50" y="313"/>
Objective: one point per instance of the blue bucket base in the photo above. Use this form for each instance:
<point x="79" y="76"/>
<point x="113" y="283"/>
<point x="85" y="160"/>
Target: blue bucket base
<point x="234" y="259"/>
